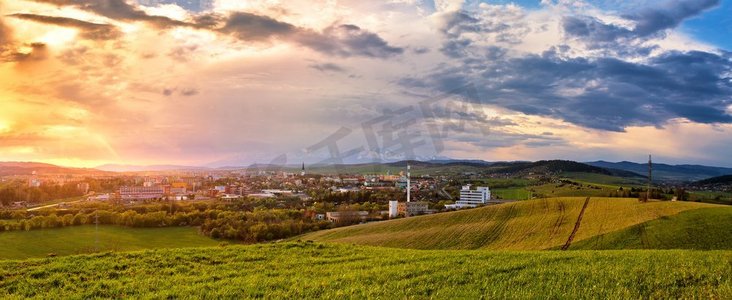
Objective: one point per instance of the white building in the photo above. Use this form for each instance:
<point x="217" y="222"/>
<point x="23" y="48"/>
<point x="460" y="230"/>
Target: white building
<point x="393" y="209"/>
<point x="472" y="198"/>
<point x="140" y="192"/>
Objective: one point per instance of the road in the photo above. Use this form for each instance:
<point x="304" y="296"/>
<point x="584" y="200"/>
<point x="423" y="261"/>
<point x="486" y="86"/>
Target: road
<point x="52" y="205"/>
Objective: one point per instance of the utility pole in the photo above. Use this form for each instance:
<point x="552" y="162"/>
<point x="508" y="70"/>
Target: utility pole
<point x="650" y="178"/>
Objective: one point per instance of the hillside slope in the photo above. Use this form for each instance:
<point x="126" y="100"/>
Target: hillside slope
<point x="88" y="239"/>
<point x="27" y="168"/>
<point x="332" y="271"/>
<point x="721" y="180"/>
<point x="527" y="225"/>
<point x="699" y="229"/>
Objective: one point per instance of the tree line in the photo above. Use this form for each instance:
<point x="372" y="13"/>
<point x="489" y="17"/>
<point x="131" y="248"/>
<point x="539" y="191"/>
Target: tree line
<point x="220" y="221"/>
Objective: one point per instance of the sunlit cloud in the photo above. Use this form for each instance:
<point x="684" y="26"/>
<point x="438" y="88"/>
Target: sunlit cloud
<point x="245" y="81"/>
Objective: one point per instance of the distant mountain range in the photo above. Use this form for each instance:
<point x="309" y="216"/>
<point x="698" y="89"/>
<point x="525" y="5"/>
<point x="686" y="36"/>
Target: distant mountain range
<point x="665" y="172"/>
<point x="661" y="172"/>
<point x="138" y="168"/>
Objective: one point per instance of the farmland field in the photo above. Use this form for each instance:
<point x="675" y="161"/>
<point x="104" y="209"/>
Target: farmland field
<point x="86" y="239"/>
<point x="336" y="271"/>
<point x="527" y="225"/>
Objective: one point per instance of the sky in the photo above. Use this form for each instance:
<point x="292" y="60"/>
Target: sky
<point x="228" y="82"/>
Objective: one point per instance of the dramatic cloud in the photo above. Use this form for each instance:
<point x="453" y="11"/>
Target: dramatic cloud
<point x="604" y="93"/>
<point x="251" y="27"/>
<point x="493" y="25"/>
<point x="148" y="81"/>
<point x="645" y="24"/>
<point x="118" y="10"/>
<point x="89" y="30"/>
<point x="341" y="40"/>
<point x="668" y="15"/>
<point x="349" y="40"/>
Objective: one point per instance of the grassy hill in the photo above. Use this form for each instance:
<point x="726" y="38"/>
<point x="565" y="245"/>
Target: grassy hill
<point x="27" y="168"/>
<point x="700" y="229"/>
<point x="726" y="179"/>
<point x="337" y="271"/>
<point x="86" y="239"/>
<point x="526" y="225"/>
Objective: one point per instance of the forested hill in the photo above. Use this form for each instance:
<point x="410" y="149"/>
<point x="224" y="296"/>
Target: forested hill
<point x="555" y="167"/>
<point x="27" y="168"/>
<point x="667" y="172"/>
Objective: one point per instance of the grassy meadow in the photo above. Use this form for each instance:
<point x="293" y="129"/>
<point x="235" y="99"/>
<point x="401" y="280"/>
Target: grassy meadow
<point x="515" y="193"/>
<point x="526" y="225"/>
<point x="338" y="271"/>
<point x="86" y="239"/>
<point x="700" y="229"/>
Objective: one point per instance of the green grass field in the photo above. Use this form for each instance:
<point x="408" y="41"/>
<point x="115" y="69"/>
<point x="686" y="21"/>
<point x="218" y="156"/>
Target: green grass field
<point x="527" y="225"/>
<point x="712" y="197"/>
<point x="337" y="271"/>
<point x="700" y="229"/>
<point x="569" y="190"/>
<point x="86" y="239"/>
<point x="516" y="193"/>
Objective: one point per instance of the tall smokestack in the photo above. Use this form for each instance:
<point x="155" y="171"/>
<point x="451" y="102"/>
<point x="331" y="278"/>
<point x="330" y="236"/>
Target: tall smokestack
<point x="409" y="198"/>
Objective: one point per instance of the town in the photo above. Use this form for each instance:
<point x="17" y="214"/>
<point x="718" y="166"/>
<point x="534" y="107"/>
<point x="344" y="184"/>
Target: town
<point x="388" y="195"/>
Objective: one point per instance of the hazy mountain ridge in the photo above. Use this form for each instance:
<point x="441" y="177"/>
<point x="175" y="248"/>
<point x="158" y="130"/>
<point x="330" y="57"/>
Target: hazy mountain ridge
<point x="667" y="172"/>
<point x="142" y="168"/>
<point x="27" y="168"/>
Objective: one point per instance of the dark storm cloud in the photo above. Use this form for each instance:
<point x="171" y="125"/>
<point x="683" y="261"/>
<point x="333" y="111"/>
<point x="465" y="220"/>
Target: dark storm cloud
<point x="605" y="93"/>
<point x="649" y="22"/>
<point x="89" y="30"/>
